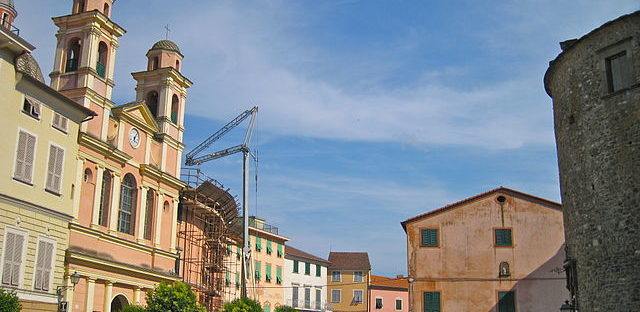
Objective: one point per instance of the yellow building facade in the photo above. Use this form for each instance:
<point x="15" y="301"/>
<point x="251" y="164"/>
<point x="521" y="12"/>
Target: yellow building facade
<point x="37" y="189"/>
<point x="348" y="279"/>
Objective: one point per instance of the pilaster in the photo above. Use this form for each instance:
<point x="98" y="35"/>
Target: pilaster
<point x="142" y="214"/>
<point x="115" y="203"/>
<point x="108" y="293"/>
<point x="96" y="197"/>
<point x="158" y="219"/>
<point x="91" y="287"/>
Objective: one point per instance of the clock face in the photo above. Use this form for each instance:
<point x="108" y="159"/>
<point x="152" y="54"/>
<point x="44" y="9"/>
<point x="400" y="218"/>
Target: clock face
<point x="134" y="137"/>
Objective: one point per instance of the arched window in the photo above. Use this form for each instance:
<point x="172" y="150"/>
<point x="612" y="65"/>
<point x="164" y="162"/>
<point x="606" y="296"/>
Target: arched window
<point x="504" y="269"/>
<point x="178" y="65"/>
<point x="148" y="220"/>
<point x="152" y="103"/>
<point x="175" y="105"/>
<point x="128" y="199"/>
<point x="155" y="63"/>
<point x="106" y="9"/>
<point x="79" y="6"/>
<point x="101" y="66"/>
<point x="73" y="55"/>
<point x="105" y="199"/>
<point x="88" y="175"/>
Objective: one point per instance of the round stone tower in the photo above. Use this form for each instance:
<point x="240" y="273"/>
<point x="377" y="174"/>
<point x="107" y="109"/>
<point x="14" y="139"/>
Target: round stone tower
<point x="595" y="86"/>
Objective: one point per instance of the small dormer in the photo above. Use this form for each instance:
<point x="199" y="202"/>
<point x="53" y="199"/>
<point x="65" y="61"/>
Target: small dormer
<point x="7" y="13"/>
<point x="104" y="6"/>
<point x="163" y="54"/>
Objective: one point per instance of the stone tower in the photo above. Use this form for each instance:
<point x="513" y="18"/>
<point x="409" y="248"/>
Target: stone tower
<point x="595" y="86"/>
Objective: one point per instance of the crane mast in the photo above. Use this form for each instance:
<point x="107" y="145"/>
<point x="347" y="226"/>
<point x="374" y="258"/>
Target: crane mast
<point x="194" y="157"/>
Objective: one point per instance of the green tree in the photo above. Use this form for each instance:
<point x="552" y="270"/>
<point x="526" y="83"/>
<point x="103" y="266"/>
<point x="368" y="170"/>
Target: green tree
<point x="9" y="301"/>
<point x="175" y="298"/>
<point x="285" y="309"/>
<point x="133" y="308"/>
<point x="242" y="305"/>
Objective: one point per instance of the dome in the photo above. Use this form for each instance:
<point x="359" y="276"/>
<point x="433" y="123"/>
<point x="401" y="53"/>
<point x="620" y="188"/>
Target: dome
<point x="164" y="45"/>
<point x="27" y="64"/>
<point x="8" y="4"/>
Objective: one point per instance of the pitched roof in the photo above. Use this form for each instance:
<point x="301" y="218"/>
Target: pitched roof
<point x="349" y="261"/>
<point x="500" y="189"/>
<point x="383" y="282"/>
<point x="295" y="252"/>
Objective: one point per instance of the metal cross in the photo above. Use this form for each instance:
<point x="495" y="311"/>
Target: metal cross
<point x="167" y="30"/>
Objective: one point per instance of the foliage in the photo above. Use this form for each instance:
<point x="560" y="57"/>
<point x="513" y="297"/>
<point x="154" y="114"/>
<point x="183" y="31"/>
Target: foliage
<point x="176" y="298"/>
<point x="242" y="305"/>
<point x="9" y="301"/>
<point x="285" y="309"/>
<point x="132" y="308"/>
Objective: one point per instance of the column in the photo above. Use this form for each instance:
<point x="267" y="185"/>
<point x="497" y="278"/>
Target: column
<point x="112" y="59"/>
<point x="179" y="164"/>
<point x="104" y="128"/>
<point x="174" y="226"/>
<point x="108" y="292"/>
<point x="96" y="197"/>
<point x="91" y="287"/>
<point x="121" y="136"/>
<point x="115" y="203"/>
<point x="159" y="213"/>
<point x="68" y="293"/>
<point x="163" y="160"/>
<point x="77" y="192"/>
<point x="137" y="292"/>
<point x="142" y="214"/>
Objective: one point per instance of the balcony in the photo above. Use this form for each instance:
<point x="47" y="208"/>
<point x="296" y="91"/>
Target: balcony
<point x="308" y="305"/>
<point x="259" y="224"/>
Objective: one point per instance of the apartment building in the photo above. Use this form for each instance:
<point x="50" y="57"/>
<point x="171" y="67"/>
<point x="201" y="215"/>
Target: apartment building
<point x="348" y="281"/>
<point x="306" y="277"/>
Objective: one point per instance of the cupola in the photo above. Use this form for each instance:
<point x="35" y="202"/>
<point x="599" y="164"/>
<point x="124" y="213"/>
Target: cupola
<point x="163" y="54"/>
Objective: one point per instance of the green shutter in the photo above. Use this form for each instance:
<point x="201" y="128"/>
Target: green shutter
<point x="507" y="301"/>
<point x="238" y="252"/>
<point x="257" y="270"/>
<point x="280" y="252"/>
<point x="295" y="266"/>
<point x="269" y="248"/>
<point x="318" y="270"/>
<point x="228" y="249"/>
<point x="266" y="309"/>
<point x="267" y="272"/>
<point x="258" y="243"/>
<point x="431" y="302"/>
<point x="279" y="275"/>
<point x="307" y="268"/>
<point x="503" y="237"/>
<point x="227" y="277"/>
<point x="237" y="280"/>
<point x="429" y="237"/>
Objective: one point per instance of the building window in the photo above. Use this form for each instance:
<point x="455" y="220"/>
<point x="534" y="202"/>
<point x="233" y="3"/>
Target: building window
<point x="24" y="157"/>
<point x="398" y="304"/>
<point x="279" y="275"/>
<point x="318" y="270"/>
<point x="307" y="298"/>
<point x="506" y="301"/>
<point x="5" y="20"/>
<point x="503" y="238"/>
<point x="280" y="251"/>
<point x="128" y="199"/>
<point x="258" y="244"/>
<point x="152" y="103"/>
<point x="73" y="55"/>
<point x="45" y="256"/>
<point x="357" y="276"/>
<point x="148" y="218"/>
<point x="60" y="122"/>
<point x="335" y="295"/>
<point x="318" y="299"/>
<point x="87" y="177"/>
<point x="429" y="238"/>
<point x="105" y="198"/>
<point x="267" y="272"/>
<point x="432" y="302"/>
<point x="504" y="269"/>
<point x="79" y="6"/>
<point x="106" y="10"/>
<point x="619" y="75"/>
<point x="266" y="308"/>
<point x="295" y="266"/>
<point x="294" y="296"/>
<point x="101" y="66"/>
<point x="378" y="303"/>
<point x="335" y="276"/>
<point x="269" y="247"/>
<point x="54" y="169"/>
<point x="155" y="63"/>
<point x="31" y="107"/>
<point x="13" y="256"/>
<point x="175" y="106"/>
<point x="357" y="296"/>
<point x="177" y="65"/>
<point x="257" y="270"/>
<point x="307" y="268"/>
<point x="237" y="280"/>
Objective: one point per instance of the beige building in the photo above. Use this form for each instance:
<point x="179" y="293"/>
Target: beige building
<point x="501" y="251"/>
<point x="348" y="279"/>
<point x="39" y="150"/>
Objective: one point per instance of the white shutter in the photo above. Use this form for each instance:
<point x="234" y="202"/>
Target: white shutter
<point x="14" y="244"/>
<point x="17" y="260"/>
<point x="43" y="265"/>
<point x="54" y="168"/>
<point x="28" y="158"/>
<point x="51" y="167"/>
<point x="37" y="284"/>
<point x="9" y="241"/>
<point x="60" y="122"/>
<point x="20" y="155"/>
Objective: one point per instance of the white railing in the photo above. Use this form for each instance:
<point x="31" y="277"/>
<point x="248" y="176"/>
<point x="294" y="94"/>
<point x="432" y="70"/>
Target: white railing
<point x="310" y="305"/>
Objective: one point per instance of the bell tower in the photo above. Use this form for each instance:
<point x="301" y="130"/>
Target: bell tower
<point x="87" y="41"/>
<point x="164" y="90"/>
<point x="7" y="13"/>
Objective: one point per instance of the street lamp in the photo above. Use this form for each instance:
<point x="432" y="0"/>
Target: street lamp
<point x="75" y="278"/>
<point x="567" y="307"/>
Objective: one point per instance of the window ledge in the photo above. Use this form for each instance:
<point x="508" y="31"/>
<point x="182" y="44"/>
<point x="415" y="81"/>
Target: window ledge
<point x="56" y="193"/>
<point x="30" y="115"/>
<point x="29" y="183"/>
<point x="623" y="90"/>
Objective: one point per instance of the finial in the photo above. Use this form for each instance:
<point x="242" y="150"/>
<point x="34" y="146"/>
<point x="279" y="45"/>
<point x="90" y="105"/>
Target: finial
<point x="167" y="30"/>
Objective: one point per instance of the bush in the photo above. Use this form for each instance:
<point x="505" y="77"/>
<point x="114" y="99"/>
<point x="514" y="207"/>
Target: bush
<point x="242" y="305"/>
<point x="132" y="308"/>
<point x="176" y="298"/>
<point x="285" y="309"/>
<point x="9" y="301"/>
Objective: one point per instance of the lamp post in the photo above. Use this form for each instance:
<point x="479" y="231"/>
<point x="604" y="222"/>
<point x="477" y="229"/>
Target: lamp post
<point x="75" y="278"/>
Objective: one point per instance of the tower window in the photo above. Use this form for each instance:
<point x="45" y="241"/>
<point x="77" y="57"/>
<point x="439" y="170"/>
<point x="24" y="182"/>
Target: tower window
<point x="73" y="55"/>
<point x="174" y="109"/>
<point x="102" y="59"/>
<point x="155" y="63"/>
<point x="106" y="9"/>
<point x="618" y="72"/>
<point x="152" y="103"/>
<point x="5" y="20"/>
<point x="177" y="65"/>
<point x="79" y="6"/>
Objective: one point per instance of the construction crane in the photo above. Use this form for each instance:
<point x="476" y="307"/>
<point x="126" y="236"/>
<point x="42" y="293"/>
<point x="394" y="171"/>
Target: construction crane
<point x="195" y="157"/>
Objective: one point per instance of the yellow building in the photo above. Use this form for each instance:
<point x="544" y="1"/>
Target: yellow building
<point x="348" y="279"/>
<point x="39" y="152"/>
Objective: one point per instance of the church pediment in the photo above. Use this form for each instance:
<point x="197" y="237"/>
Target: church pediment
<point x="138" y="114"/>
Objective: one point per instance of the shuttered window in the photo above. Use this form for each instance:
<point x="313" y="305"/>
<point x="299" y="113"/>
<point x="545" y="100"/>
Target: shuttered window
<point x="429" y="237"/>
<point x="295" y="266"/>
<point x="294" y="296"/>
<point x="357" y="296"/>
<point x="267" y="272"/>
<point x="44" y="263"/>
<point x="503" y="238"/>
<point x="280" y="252"/>
<point x="318" y="299"/>
<point x="54" y="169"/>
<point x="619" y="72"/>
<point x="318" y="270"/>
<point x="307" y="268"/>
<point x="257" y="270"/>
<point x="266" y="309"/>
<point x="398" y="304"/>
<point x="12" y="257"/>
<point x="307" y="298"/>
<point x="507" y="301"/>
<point x="31" y="107"/>
<point x="227" y="278"/>
<point x="335" y="295"/>
<point x="128" y="199"/>
<point x="279" y="275"/>
<point x="269" y="247"/>
<point x="237" y="280"/>
<point x="60" y="122"/>
<point x="105" y="198"/>
<point x="258" y="244"/>
<point x="24" y="157"/>
<point x="432" y="302"/>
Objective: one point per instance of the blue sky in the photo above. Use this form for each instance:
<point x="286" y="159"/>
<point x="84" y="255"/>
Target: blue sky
<point x="371" y="112"/>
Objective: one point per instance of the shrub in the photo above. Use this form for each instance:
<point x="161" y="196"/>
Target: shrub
<point x="242" y="305"/>
<point x="176" y="298"/>
<point x="9" y="301"/>
<point x="285" y="309"/>
<point x="132" y="308"/>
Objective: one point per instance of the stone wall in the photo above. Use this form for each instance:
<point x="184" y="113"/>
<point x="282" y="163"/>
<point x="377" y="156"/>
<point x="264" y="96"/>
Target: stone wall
<point x="598" y="142"/>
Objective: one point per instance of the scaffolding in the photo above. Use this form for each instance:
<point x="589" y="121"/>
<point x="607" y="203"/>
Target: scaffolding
<point x="208" y="229"/>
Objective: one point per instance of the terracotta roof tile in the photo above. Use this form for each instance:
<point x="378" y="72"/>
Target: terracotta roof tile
<point x="349" y="261"/>
<point x="383" y="281"/>
<point x="291" y="251"/>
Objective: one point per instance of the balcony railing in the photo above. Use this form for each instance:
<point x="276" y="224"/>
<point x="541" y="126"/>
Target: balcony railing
<point x="263" y="226"/>
<point x="11" y="28"/>
<point x="310" y="305"/>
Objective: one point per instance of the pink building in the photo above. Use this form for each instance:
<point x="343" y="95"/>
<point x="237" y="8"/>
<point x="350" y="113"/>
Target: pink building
<point x="388" y="294"/>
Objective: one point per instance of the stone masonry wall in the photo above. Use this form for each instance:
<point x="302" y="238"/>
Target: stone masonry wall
<point x="598" y="142"/>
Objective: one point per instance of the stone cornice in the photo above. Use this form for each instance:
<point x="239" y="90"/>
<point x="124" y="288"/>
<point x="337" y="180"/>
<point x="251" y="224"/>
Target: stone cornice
<point x="103" y="148"/>
<point x="156" y="174"/>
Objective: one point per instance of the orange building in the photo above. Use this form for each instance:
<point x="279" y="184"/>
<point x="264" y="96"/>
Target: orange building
<point x="123" y="233"/>
<point x="502" y="250"/>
